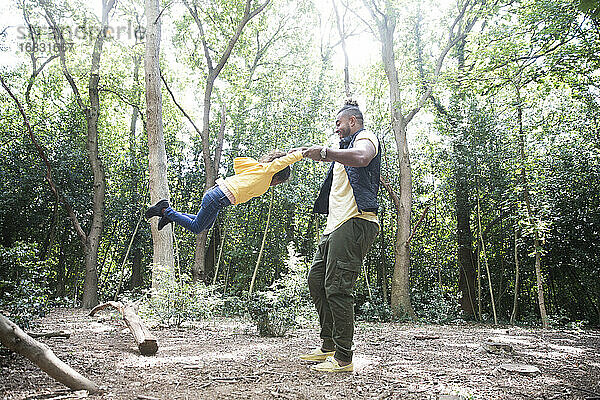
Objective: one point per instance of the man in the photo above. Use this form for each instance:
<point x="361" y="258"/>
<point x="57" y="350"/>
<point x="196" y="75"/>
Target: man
<point x="349" y="198"/>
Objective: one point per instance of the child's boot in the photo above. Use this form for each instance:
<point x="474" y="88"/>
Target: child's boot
<point x="157" y="209"/>
<point x="163" y="221"/>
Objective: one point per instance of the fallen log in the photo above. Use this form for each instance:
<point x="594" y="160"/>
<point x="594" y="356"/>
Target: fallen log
<point x="18" y="341"/>
<point x="48" y="335"/>
<point x="146" y="341"/>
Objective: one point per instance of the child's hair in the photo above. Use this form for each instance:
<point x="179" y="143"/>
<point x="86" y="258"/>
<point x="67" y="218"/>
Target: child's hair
<point x="280" y="176"/>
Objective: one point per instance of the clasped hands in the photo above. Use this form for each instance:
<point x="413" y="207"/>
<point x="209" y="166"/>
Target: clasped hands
<point x="313" y="152"/>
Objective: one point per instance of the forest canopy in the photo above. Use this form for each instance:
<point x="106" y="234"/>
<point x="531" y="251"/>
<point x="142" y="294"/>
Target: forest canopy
<point x="487" y="113"/>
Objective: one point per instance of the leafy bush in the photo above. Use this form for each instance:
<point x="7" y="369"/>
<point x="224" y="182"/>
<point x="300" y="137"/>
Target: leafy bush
<point x="231" y="306"/>
<point x="270" y="313"/>
<point x="179" y="300"/>
<point x="376" y="310"/>
<point x="24" y="285"/>
<point x="274" y="311"/>
<point x="277" y="309"/>
<point x="435" y="305"/>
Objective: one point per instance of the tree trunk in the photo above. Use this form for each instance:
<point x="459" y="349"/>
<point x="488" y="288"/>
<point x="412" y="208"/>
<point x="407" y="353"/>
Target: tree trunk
<point x="382" y="270"/>
<point x="18" y="341"/>
<point x="342" y="33"/>
<point x="90" y="241"/>
<point x="136" y="280"/>
<point x="487" y="269"/>
<point x="262" y="246"/>
<point x="401" y="275"/>
<point x="400" y="298"/>
<point x="61" y="273"/>
<point x="157" y="157"/>
<point x="50" y="236"/>
<point x="135" y="198"/>
<point x="513" y="315"/>
<point x="221" y="246"/>
<point x="527" y="197"/>
<point x="92" y="244"/>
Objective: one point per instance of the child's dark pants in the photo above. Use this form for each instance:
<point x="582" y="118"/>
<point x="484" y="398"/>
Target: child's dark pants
<point x="212" y="202"/>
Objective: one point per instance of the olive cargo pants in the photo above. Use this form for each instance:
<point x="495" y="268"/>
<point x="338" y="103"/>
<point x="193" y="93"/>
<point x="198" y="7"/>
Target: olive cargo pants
<point x="331" y="280"/>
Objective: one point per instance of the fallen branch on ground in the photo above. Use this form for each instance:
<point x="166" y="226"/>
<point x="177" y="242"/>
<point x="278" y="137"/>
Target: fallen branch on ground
<point x="146" y="341"/>
<point x="233" y="379"/>
<point x="48" y="335"/>
<point x="18" y="341"/>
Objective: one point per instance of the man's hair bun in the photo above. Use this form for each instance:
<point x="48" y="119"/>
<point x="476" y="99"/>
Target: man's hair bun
<point x="351" y="108"/>
<point x="350" y="102"/>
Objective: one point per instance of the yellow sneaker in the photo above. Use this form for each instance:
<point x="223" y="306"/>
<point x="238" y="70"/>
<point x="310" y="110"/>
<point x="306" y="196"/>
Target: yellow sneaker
<point x="331" y="365"/>
<point x="316" y="355"/>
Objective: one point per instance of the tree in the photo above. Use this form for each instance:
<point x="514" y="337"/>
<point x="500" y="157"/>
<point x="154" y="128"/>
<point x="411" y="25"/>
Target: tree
<point x="91" y="240"/>
<point x="211" y="163"/>
<point x="384" y="14"/>
<point x="157" y="156"/>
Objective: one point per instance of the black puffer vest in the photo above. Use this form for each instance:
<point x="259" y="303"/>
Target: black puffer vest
<point x="363" y="180"/>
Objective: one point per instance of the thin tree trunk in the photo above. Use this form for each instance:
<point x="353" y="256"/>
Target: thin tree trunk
<point x="262" y="246"/>
<point x="382" y="270"/>
<point x="400" y="299"/>
<point x="61" y="273"/>
<point x="341" y="31"/>
<point x="513" y="315"/>
<point x="157" y="157"/>
<point x="220" y="256"/>
<point x="527" y="198"/>
<point x="135" y="198"/>
<point x="487" y="269"/>
<point x="50" y="236"/>
<point x="91" y="240"/>
<point x="385" y="20"/>
<point x="126" y="256"/>
<point x="479" y="281"/>
<point x="437" y="241"/>
<point x="90" y="285"/>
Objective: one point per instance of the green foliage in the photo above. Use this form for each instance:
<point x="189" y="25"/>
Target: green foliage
<point x="435" y="306"/>
<point x="285" y="303"/>
<point x="24" y="287"/>
<point x="375" y="311"/>
<point x="179" y="300"/>
<point x="281" y="87"/>
<point x="269" y="311"/>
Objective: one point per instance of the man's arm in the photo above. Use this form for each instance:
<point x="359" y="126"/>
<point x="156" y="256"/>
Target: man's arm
<point x="358" y="156"/>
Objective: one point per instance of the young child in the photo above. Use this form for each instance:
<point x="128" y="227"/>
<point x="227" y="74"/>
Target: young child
<point x="252" y="178"/>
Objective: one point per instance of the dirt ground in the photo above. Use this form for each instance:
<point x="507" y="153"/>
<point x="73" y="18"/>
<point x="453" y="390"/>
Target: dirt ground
<point x="226" y="359"/>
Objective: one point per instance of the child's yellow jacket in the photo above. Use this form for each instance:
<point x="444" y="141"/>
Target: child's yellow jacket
<point x="253" y="178"/>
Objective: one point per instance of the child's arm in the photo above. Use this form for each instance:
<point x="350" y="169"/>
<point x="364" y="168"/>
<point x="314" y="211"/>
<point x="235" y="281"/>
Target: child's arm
<point x="280" y="163"/>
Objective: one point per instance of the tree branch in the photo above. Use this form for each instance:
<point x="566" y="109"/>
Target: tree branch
<point x="178" y="106"/>
<point x="220" y="136"/>
<point x="416" y="226"/>
<point x="61" y="46"/>
<point x="452" y="41"/>
<point x="194" y="13"/>
<point x="42" y="154"/>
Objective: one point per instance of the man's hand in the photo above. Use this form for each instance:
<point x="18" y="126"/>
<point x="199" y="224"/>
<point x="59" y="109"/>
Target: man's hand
<point x="314" y="153"/>
<point x="297" y="149"/>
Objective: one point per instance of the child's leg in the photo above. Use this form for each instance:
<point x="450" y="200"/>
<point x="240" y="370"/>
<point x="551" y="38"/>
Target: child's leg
<point x="212" y="202"/>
